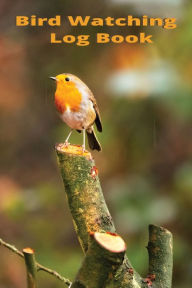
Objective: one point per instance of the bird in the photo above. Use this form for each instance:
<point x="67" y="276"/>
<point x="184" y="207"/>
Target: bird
<point x="78" y="108"/>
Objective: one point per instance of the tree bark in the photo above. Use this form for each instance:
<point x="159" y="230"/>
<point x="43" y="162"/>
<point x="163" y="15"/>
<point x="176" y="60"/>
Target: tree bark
<point x="105" y="254"/>
<point x="87" y="205"/>
<point x="90" y="214"/>
<point x="31" y="267"/>
<point x="160" y="250"/>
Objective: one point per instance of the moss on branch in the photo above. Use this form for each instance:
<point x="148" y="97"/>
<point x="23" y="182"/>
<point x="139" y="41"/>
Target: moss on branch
<point x="160" y="250"/>
<point x="87" y="204"/>
<point x="105" y="263"/>
<point x="104" y="256"/>
<point x="84" y="194"/>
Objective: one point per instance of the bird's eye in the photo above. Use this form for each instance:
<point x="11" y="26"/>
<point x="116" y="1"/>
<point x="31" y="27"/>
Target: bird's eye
<point x="67" y="79"/>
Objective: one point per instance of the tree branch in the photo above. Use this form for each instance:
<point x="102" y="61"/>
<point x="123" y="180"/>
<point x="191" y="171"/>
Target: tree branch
<point x="160" y="250"/>
<point x="86" y="201"/>
<point x="87" y="204"/>
<point x="39" y="266"/>
<point x="104" y="256"/>
<point x="31" y="267"/>
<point x="105" y="264"/>
<point x="54" y="273"/>
<point x="11" y="247"/>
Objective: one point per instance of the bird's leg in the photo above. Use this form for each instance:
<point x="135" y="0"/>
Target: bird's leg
<point x="83" y="146"/>
<point x="67" y="139"/>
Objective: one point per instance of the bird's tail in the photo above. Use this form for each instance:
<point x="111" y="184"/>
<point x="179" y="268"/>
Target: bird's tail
<point x="92" y="140"/>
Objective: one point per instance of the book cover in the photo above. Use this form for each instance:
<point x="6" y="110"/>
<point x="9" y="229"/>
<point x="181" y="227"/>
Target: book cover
<point x="114" y="76"/>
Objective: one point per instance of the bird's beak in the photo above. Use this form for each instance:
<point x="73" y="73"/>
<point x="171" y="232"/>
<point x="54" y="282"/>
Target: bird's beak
<point x="53" y="78"/>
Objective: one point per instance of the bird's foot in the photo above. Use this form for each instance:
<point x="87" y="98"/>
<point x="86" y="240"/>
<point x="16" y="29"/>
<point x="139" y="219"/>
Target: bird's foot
<point x="83" y="148"/>
<point x="66" y="144"/>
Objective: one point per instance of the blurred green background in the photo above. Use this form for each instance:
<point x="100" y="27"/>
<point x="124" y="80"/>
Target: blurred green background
<point x="145" y="99"/>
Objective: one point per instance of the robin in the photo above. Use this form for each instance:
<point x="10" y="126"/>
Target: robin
<point x="77" y="108"/>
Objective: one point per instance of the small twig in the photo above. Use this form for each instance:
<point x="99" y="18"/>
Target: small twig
<point x="54" y="273"/>
<point x="31" y="267"/>
<point x="39" y="266"/>
<point x="11" y="247"/>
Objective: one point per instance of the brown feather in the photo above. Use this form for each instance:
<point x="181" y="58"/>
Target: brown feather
<point x="98" y="117"/>
<point x="92" y="140"/>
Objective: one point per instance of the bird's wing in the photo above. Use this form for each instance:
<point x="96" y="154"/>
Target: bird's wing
<point x="98" y="117"/>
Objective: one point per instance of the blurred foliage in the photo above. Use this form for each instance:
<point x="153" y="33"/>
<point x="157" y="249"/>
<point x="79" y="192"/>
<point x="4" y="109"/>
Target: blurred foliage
<point x="146" y="163"/>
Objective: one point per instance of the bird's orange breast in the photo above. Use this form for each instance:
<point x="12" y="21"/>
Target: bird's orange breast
<point x="67" y="96"/>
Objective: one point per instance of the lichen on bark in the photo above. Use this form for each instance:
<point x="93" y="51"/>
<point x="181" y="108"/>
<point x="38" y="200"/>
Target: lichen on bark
<point x="90" y="214"/>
